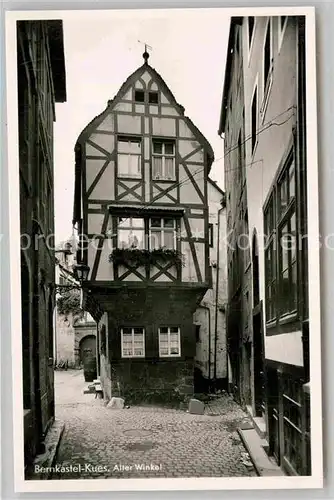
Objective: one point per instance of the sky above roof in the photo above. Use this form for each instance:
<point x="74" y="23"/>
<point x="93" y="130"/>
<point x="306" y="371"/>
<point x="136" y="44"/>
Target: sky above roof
<point x="188" y="51"/>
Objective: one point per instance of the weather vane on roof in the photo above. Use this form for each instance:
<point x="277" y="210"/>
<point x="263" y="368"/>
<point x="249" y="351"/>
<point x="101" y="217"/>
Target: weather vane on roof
<point x="146" y="55"/>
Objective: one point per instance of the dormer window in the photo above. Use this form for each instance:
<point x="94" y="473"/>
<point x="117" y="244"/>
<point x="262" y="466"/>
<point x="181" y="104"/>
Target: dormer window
<point x="139" y="96"/>
<point x="163" y="164"/>
<point x="153" y="97"/>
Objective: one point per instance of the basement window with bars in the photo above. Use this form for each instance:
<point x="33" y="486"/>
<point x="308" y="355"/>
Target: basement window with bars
<point x="169" y="341"/>
<point x="133" y="342"/>
<point x="129" y="158"/>
<point x="163" y="161"/>
<point x="162" y="233"/>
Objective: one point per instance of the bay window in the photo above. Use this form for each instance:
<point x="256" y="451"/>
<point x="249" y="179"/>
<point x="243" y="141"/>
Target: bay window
<point x="162" y="233"/>
<point x="130" y="232"/>
<point x="281" y="247"/>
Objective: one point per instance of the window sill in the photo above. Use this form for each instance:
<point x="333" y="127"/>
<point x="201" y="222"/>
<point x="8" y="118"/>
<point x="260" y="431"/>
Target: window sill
<point x="129" y="178"/>
<point x="172" y="356"/>
<point x="288" y="318"/>
<point x="157" y="179"/>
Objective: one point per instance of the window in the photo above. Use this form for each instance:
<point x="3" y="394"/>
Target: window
<point x="282" y="22"/>
<point x="292" y="423"/>
<point x="211" y="235"/>
<point x="281" y="247"/>
<point x="169" y="341"/>
<point x="270" y="262"/>
<point x="130" y="232"/>
<point x="254" y="120"/>
<point x="133" y="342"/>
<point x="162" y="233"/>
<point x="139" y="96"/>
<point x="103" y="340"/>
<point x="129" y="158"/>
<point x="250" y="29"/>
<point x="153" y="97"/>
<point x="240" y="159"/>
<point x="287" y="263"/>
<point x="42" y="189"/>
<point x="163" y="166"/>
<point x="267" y="56"/>
<point x="198" y="332"/>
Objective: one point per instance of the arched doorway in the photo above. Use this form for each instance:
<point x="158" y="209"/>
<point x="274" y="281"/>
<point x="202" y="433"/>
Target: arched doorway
<point x="87" y="347"/>
<point x="258" y="340"/>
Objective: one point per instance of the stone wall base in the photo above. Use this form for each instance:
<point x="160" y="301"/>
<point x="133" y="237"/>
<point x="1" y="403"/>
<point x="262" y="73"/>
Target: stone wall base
<point x="168" y="383"/>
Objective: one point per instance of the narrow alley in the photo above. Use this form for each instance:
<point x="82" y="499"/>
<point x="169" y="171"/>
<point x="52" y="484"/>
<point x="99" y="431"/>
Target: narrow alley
<point x="145" y="441"/>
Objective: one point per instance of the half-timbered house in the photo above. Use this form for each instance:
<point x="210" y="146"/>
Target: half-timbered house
<point x="141" y="209"/>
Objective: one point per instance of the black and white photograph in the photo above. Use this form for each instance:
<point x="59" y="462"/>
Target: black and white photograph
<point x="165" y="299"/>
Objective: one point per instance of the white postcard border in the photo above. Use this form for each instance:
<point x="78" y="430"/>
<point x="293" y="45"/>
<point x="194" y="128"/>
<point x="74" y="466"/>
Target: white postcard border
<point x="233" y="483"/>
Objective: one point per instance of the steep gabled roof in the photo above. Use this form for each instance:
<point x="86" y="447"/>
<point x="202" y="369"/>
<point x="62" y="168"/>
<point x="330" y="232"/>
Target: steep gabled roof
<point x="128" y="82"/>
<point x="215" y="185"/>
<point x="111" y="103"/>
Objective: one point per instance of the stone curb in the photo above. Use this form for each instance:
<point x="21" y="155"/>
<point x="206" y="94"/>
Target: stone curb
<point x="47" y="459"/>
<point x="261" y="469"/>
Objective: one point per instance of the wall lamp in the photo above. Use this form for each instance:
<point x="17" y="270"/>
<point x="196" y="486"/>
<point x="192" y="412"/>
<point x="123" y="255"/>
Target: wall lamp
<point x="80" y="272"/>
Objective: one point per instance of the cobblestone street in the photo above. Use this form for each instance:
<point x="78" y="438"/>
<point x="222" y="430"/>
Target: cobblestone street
<point x="110" y="443"/>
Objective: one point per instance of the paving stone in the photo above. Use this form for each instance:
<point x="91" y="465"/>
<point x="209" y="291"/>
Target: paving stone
<point x="185" y="444"/>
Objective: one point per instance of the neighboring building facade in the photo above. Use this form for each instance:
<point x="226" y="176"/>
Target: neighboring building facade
<point x="141" y="197"/>
<point x="210" y="315"/>
<point x="239" y="330"/>
<point x="41" y="83"/>
<point x="272" y="50"/>
<point x="75" y="332"/>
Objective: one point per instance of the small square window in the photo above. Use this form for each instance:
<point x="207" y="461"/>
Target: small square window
<point x="211" y="235"/>
<point x="139" y="96"/>
<point x="169" y="222"/>
<point x="169" y="148"/>
<point x="155" y="222"/>
<point x="157" y="147"/>
<point x="153" y="97"/>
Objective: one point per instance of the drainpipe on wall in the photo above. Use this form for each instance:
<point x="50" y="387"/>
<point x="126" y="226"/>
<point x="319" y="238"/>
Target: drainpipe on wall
<point x="209" y="349"/>
<point x="217" y="294"/>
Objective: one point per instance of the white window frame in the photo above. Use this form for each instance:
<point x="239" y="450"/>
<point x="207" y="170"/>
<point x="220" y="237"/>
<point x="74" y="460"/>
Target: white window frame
<point x="129" y="140"/>
<point x="267" y="85"/>
<point x="163" y="155"/>
<point x="281" y="31"/>
<point x="130" y="227"/>
<point x="169" y="355"/>
<point x="133" y="355"/>
<point x="163" y="230"/>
